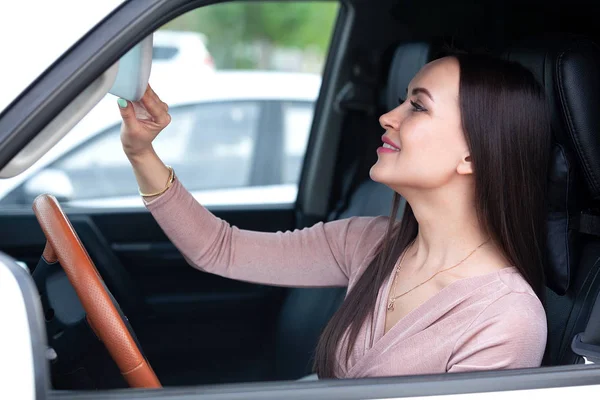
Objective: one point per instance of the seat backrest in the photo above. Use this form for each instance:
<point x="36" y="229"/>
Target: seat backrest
<point x="370" y="198"/>
<point x="568" y="67"/>
<point x="306" y="311"/>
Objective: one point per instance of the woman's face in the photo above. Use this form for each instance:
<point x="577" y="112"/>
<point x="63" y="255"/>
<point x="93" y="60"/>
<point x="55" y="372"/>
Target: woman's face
<point x="424" y="146"/>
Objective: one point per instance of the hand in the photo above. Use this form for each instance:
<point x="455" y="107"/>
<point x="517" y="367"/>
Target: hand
<point x="142" y="122"/>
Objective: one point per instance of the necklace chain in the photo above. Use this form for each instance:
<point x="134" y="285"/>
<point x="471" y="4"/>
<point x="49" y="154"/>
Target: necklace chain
<point x="393" y="296"/>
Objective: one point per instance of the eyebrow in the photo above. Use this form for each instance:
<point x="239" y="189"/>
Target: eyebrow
<point x="418" y="90"/>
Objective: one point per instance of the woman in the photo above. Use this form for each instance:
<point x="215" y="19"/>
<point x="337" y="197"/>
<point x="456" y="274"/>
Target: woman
<point x="457" y="286"/>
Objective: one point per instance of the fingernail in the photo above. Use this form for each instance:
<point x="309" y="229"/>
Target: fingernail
<point x="122" y="103"/>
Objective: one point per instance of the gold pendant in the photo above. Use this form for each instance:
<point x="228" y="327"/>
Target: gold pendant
<point x="390" y="306"/>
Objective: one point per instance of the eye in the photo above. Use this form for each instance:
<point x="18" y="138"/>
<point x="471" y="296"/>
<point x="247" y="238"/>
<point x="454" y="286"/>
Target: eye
<point x="417" y="107"/>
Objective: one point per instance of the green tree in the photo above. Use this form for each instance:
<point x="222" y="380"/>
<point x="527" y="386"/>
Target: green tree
<point x="275" y="24"/>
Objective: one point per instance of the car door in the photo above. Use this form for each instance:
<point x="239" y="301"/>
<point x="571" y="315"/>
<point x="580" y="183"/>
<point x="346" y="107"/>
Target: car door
<point x="179" y="314"/>
<point x="25" y="118"/>
<point x="242" y="158"/>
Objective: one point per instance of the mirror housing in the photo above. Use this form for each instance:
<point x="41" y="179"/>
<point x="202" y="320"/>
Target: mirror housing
<point x="127" y="78"/>
<point x="50" y="181"/>
<point x="134" y="71"/>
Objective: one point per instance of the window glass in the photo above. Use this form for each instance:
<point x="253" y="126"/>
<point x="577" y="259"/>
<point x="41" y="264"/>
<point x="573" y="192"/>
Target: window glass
<point x="164" y="52"/>
<point x="297" y="119"/>
<point x="241" y="80"/>
<point x="215" y="137"/>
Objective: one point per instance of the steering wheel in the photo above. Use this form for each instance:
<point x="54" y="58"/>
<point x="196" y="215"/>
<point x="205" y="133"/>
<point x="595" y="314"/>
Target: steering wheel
<point x="103" y="312"/>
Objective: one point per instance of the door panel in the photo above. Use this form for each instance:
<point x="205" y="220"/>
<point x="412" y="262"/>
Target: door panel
<point x="194" y="327"/>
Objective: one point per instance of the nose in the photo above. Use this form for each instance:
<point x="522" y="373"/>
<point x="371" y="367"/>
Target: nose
<point x="391" y="120"/>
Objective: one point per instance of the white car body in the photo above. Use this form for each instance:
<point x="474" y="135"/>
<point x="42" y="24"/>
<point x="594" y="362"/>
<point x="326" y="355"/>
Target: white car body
<point x="20" y="362"/>
<point x="35" y="53"/>
<point x="222" y="86"/>
<point x="180" y="54"/>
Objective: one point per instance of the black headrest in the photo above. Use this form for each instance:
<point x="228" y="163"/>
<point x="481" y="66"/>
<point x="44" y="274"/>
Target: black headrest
<point x="408" y="59"/>
<point x="569" y="70"/>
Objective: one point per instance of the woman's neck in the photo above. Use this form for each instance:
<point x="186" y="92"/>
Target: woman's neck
<point x="449" y="229"/>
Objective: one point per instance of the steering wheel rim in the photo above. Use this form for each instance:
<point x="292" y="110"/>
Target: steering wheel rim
<point x="63" y="245"/>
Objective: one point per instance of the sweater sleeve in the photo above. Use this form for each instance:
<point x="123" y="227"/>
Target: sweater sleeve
<point x="509" y="333"/>
<point x="326" y="254"/>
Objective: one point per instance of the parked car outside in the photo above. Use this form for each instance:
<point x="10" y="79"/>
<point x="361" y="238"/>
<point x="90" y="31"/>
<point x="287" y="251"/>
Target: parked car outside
<point x="238" y="138"/>
<point x="176" y="53"/>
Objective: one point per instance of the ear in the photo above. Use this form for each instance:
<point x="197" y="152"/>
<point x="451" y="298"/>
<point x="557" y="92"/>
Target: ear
<point x="465" y="167"/>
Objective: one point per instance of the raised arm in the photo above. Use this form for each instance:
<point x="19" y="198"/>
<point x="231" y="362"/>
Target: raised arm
<point x="323" y="255"/>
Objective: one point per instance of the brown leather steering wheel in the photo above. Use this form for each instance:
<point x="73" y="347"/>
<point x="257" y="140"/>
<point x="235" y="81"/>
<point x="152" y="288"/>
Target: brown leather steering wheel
<point x="63" y="245"/>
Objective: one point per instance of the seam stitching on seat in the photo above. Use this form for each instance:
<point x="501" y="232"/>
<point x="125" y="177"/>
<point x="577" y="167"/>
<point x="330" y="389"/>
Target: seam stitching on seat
<point x="568" y="249"/>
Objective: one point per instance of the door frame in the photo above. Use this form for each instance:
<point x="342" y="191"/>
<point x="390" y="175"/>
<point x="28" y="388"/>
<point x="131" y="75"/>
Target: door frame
<point x="100" y="49"/>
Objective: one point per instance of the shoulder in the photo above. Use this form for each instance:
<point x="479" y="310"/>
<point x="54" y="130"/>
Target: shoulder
<point x="516" y="309"/>
<point x="509" y="331"/>
<point x="516" y="313"/>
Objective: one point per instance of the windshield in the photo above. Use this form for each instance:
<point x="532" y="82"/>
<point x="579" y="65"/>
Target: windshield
<point x="32" y="39"/>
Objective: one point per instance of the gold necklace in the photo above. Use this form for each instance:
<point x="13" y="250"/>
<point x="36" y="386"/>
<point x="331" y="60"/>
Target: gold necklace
<point x="393" y="298"/>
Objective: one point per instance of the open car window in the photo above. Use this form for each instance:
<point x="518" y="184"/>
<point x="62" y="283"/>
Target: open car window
<point x="243" y="104"/>
<point x="240" y="121"/>
<point x="216" y="137"/>
<point x="212" y="146"/>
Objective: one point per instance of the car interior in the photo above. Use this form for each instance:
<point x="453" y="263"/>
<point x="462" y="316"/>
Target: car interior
<point x="199" y="329"/>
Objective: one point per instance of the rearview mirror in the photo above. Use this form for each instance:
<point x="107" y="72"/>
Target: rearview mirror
<point x="134" y="71"/>
<point x="49" y="181"/>
<point x="127" y="78"/>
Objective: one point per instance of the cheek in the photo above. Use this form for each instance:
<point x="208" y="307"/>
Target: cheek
<point x="428" y="159"/>
<point x="432" y="150"/>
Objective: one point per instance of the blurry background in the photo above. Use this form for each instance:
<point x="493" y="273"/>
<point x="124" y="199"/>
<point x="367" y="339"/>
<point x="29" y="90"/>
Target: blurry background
<point x="241" y="80"/>
<point x="283" y="36"/>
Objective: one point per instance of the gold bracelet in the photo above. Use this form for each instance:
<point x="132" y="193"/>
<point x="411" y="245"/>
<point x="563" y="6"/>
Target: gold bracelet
<point x="168" y="185"/>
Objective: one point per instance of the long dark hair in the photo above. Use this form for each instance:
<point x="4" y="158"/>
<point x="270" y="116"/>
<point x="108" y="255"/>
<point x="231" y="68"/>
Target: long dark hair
<point x="507" y="129"/>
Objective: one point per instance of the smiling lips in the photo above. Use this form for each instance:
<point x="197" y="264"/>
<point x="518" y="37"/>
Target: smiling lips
<point x="388" y="146"/>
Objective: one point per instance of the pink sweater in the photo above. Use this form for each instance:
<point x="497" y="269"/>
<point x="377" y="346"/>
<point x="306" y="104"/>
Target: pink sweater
<point x="492" y="321"/>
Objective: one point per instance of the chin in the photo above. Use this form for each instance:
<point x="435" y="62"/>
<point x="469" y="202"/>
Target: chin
<point x="375" y="173"/>
<point x="379" y="174"/>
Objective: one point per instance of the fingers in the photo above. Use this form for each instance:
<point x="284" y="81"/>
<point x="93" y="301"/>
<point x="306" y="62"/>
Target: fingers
<point x="153" y="95"/>
<point x="156" y="108"/>
<point x="127" y="112"/>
